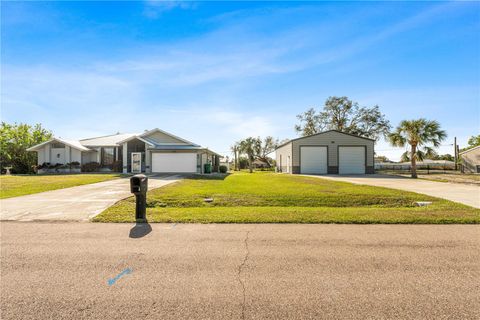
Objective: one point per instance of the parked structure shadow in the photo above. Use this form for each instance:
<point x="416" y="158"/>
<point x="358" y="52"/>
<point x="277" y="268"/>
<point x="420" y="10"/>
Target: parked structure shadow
<point x="140" y="230"/>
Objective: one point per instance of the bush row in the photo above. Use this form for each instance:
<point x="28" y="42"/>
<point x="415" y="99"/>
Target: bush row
<point x="70" y="165"/>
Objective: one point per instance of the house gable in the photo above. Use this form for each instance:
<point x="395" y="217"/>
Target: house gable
<point x="160" y="137"/>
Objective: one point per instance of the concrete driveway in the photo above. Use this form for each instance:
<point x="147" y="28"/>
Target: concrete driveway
<point x="76" y="203"/>
<point x="462" y="193"/>
<point x="266" y="271"/>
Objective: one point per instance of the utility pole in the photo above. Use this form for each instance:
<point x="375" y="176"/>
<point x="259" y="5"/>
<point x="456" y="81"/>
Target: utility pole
<point x="455" y="152"/>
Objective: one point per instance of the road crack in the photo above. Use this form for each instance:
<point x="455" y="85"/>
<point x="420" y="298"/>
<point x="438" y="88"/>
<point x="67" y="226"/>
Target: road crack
<point x="239" y="274"/>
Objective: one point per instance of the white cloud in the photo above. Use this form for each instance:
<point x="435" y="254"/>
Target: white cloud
<point x="237" y="51"/>
<point x="155" y="8"/>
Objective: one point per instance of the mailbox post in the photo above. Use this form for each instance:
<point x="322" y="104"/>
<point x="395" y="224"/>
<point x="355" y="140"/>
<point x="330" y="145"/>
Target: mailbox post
<point x="139" y="187"/>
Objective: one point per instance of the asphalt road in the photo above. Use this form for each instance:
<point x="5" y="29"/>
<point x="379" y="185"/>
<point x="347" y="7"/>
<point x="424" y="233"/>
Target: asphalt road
<point x="187" y="271"/>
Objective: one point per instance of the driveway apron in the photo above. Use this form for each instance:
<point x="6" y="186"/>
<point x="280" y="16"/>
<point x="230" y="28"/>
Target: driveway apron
<point x="75" y="204"/>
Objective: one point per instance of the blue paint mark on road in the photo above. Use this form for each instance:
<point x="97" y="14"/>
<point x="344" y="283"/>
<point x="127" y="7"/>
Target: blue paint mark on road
<point x="174" y="225"/>
<point x="113" y="280"/>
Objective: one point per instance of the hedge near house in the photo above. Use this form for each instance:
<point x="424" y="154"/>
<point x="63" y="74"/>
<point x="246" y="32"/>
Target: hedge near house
<point x="15" y="139"/>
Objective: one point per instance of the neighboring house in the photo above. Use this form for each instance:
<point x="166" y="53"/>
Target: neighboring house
<point x="329" y="152"/>
<point x="471" y="160"/>
<point x="151" y="151"/>
<point x="260" y="164"/>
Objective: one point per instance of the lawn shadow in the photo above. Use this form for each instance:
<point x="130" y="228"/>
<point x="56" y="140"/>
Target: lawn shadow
<point x="140" y="230"/>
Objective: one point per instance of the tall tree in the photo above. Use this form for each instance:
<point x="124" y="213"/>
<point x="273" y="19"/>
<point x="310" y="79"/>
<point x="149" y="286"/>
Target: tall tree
<point x="310" y="123"/>
<point x="341" y="113"/>
<point x="417" y="133"/>
<point x="267" y="146"/>
<point x="15" y="139"/>
<point x="256" y="148"/>
<point x="251" y="148"/>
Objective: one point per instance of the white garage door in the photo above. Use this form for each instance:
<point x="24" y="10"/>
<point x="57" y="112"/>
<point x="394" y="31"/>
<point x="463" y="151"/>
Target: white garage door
<point x="174" y="162"/>
<point x="351" y="160"/>
<point x="313" y="160"/>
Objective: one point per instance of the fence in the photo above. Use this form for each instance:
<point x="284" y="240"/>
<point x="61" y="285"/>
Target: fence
<point x="430" y="168"/>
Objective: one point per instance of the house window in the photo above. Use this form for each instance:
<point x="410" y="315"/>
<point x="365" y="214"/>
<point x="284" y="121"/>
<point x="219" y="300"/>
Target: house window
<point x="108" y="155"/>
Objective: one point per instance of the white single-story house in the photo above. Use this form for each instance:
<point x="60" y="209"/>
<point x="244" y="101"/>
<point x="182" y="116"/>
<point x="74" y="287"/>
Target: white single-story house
<point x="471" y="160"/>
<point x="329" y="152"/>
<point x="150" y="152"/>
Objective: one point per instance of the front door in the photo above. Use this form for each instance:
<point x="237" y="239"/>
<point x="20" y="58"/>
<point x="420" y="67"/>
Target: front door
<point x="136" y="162"/>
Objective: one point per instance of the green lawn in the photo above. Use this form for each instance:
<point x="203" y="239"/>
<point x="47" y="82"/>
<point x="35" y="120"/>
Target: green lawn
<point x="19" y="185"/>
<point x="278" y="198"/>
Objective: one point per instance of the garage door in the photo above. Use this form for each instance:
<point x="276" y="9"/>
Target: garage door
<point x="313" y="160"/>
<point x="174" y="162"/>
<point x="351" y="160"/>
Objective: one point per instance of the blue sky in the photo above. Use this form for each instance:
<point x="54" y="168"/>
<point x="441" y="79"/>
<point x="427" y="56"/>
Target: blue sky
<point x="216" y="72"/>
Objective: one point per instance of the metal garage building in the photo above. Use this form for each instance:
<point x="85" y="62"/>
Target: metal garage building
<point x="329" y="152"/>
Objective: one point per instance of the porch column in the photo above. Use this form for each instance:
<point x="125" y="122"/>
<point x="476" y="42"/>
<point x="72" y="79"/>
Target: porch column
<point x="47" y="153"/>
<point x="67" y="154"/>
<point x="125" y="157"/>
<point x="148" y="159"/>
<point x="204" y="160"/>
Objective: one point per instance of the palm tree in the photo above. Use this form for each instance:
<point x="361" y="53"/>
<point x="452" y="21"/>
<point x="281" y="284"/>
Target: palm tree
<point x="251" y="148"/>
<point x="417" y="133"/>
<point x="235" y="150"/>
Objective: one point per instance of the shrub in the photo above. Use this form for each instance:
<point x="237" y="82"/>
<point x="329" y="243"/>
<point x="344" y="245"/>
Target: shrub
<point x="44" y="165"/>
<point x="54" y="166"/>
<point x="223" y="169"/>
<point x="91" y="167"/>
<point x="74" y="164"/>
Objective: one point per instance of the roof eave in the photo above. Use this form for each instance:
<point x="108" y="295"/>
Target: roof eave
<point x="36" y="147"/>
<point x="469" y="150"/>
<point x="315" y="134"/>
<point x="135" y="137"/>
<point x="169" y="134"/>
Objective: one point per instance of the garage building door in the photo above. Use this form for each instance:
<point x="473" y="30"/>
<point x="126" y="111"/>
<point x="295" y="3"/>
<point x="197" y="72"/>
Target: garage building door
<point x="313" y="160"/>
<point x="351" y="160"/>
<point x="174" y="162"/>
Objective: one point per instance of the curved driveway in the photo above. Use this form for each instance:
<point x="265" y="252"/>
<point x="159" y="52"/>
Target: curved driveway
<point x="76" y="203"/>
<point x="462" y="193"/>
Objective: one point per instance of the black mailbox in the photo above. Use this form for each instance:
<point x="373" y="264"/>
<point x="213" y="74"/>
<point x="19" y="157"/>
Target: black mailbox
<point x="139" y="187"/>
<point x="139" y="184"/>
